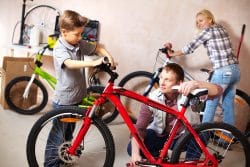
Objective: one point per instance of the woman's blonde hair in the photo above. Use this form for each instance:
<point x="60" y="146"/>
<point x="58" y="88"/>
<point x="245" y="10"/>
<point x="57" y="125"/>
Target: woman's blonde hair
<point x="206" y="13"/>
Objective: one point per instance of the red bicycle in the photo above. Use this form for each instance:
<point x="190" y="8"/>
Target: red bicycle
<point x="85" y="150"/>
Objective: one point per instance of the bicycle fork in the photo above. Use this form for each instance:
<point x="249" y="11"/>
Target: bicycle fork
<point x="27" y="89"/>
<point x="84" y="129"/>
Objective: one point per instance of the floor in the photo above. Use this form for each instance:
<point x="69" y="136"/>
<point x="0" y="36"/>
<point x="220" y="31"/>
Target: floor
<point x="14" y="129"/>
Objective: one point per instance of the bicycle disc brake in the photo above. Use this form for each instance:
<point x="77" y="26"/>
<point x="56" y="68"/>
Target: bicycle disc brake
<point x="65" y="156"/>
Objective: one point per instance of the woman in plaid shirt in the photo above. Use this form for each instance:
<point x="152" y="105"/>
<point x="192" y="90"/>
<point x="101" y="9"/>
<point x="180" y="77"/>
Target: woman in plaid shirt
<point x="225" y="65"/>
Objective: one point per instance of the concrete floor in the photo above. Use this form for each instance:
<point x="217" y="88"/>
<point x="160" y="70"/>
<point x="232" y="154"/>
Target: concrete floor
<point x="14" y="129"/>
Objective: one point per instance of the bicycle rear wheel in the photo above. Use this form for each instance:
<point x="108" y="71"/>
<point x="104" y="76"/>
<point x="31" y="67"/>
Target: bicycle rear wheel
<point x="241" y="110"/>
<point x="45" y="17"/>
<point x="136" y="81"/>
<point x="107" y="111"/>
<point x="34" y="103"/>
<point x="97" y="148"/>
<point x="223" y="141"/>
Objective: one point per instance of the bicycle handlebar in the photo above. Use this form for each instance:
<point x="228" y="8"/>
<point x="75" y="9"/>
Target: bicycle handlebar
<point x="106" y="66"/>
<point x="165" y="50"/>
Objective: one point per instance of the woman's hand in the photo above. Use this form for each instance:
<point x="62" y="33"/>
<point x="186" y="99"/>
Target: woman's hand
<point x="168" y="45"/>
<point x="171" y="52"/>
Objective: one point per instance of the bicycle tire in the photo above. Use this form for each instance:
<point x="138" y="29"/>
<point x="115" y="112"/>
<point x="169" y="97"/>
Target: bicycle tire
<point x="241" y="110"/>
<point x="33" y="104"/>
<point x="107" y="111"/>
<point x="135" y="74"/>
<point x="215" y="135"/>
<point x="135" y="81"/>
<point x="101" y="149"/>
<point x="45" y="17"/>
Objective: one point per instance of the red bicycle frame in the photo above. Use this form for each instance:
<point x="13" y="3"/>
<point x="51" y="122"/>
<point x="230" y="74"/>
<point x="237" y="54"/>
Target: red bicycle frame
<point x="111" y="92"/>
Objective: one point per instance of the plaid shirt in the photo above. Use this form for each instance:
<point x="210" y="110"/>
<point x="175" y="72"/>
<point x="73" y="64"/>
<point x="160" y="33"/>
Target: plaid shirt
<point x="217" y="42"/>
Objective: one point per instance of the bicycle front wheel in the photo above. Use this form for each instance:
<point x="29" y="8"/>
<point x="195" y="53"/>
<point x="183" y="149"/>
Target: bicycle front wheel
<point x="97" y="148"/>
<point x="223" y="141"/>
<point x="136" y="81"/>
<point x="35" y="101"/>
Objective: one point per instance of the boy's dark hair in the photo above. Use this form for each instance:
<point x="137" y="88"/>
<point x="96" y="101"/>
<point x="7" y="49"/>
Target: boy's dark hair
<point x="177" y="69"/>
<point x="71" y="19"/>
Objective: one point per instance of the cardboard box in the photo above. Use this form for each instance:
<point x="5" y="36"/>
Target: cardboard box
<point x="14" y="67"/>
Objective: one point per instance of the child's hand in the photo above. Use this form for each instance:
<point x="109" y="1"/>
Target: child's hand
<point x="97" y="62"/>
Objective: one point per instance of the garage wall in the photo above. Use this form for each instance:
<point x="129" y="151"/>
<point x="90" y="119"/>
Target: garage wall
<point x="133" y="30"/>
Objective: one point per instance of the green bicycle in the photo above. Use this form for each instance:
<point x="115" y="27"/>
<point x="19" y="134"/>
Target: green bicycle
<point x="18" y="92"/>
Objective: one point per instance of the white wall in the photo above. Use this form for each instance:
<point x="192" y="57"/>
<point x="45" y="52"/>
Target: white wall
<point x="133" y="30"/>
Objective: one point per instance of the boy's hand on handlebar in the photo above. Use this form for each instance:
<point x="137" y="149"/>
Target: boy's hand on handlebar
<point x="97" y="62"/>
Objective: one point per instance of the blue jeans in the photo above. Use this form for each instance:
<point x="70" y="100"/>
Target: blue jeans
<point x="226" y="77"/>
<point x="59" y="133"/>
<point x="155" y="143"/>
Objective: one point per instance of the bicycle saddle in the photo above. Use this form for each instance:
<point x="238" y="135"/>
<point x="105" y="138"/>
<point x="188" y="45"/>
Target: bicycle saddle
<point x="196" y="92"/>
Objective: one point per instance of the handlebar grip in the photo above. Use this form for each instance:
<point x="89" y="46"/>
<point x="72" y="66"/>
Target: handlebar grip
<point x="105" y="60"/>
<point x="165" y="50"/>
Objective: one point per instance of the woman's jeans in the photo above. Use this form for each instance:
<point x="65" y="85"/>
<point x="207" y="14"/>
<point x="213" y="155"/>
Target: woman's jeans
<point x="59" y="133"/>
<point x="226" y="77"/>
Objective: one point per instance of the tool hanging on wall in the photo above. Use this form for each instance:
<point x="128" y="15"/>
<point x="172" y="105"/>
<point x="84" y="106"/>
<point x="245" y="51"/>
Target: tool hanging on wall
<point x="241" y="39"/>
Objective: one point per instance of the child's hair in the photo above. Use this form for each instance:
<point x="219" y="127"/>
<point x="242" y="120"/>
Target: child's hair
<point x="206" y="13"/>
<point x="177" y="69"/>
<point x="71" y="19"/>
